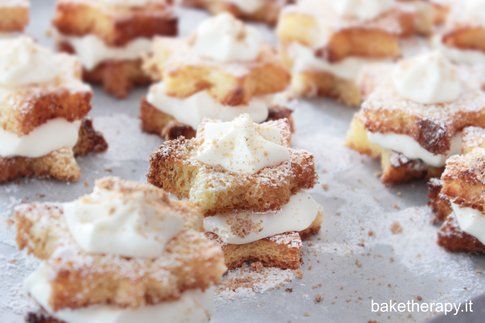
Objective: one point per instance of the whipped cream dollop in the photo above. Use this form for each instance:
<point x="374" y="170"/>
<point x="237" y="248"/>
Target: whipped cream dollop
<point x="192" y="306"/>
<point x="199" y="106"/>
<point x="119" y="222"/>
<point x="240" y="228"/>
<point x="470" y="221"/>
<point x="92" y="50"/>
<point x="361" y="9"/>
<point x="223" y="38"/>
<point x="23" y="62"/>
<point x="428" y="78"/>
<point x="41" y="141"/>
<point x="411" y="148"/>
<point x="242" y="146"/>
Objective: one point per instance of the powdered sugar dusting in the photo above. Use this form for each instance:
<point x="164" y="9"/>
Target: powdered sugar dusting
<point x="246" y="282"/>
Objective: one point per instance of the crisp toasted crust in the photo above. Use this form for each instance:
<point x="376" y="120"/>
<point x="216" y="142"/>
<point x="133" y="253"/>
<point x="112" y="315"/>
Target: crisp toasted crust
<point x="117" y="77"/>
<point x="312" y="83"/>
<point x="159" y="123"/>
<point x="218" y="191"/>
<point x="433" y="126"/>
<point x="29" y="108"/>
<point x="14" y="17"/>
<point x="396" y="168"/>
<point x="438" y="203"/>
<point x="115" y="25"/>
<point x="268" y="13"/>
<point x="184" y="73"/>
<point x="40" y="317"/>
<point x="463" y="180"/>
<point x="282" y="250"/>
<point x="466" y="38"/>
<point x="190" y="261"/>
<point x="90" y="140"/>
<point x="60" y="164"/>
<point x="453" y="239"/>
<point x="378" y="38"/>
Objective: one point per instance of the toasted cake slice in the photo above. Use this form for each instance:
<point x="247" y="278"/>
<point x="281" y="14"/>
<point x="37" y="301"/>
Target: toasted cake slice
<point x="117" y="77"/>
<point x="281" y="250"/>
<point x="60" y="164"/>
<point x="35" y="107"/>
<point x="117" y="34"/>
<point x="216" y="190"/>
<point x="432" y="129"/>
<point x="234" y="83"/>
<point x="465" y="26"/>
<point x="265" y="11"/>
<point x="115" y="24"/>
<point x="396" y="168"/>
<point x="79" y="278"/>
<point x="461" y="187"/>
<point x="157" y="122"/>
<point x="316" y="25"/>
<point x="14" y="15"/>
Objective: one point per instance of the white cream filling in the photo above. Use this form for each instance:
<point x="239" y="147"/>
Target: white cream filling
<point x="192" y="307"/>
<point x="410" y="148"/>
<point x="247" y="6"/>
<point x="92" y="50"/>
<point x="470" y="221"/>
<point x="41" y="141"/>
<point x="193" y="109"/>
<point x="304" y="59"/>
<point x="297" y="215"/>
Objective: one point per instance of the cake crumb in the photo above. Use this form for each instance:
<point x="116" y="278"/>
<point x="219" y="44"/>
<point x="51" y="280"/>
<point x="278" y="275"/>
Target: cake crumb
<point x="358" y="263"/>
<point x="325" y="187"/>
<point x="396" y="227"/>
<point x="318" y="298"/>
<point x="419" y="298"/>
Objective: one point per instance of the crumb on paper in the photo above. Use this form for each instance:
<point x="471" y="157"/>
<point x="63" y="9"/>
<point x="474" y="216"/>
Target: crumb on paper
<point x="358" y="264"/>
<point x="318" y="298"/>
<point x="396" y="228"/>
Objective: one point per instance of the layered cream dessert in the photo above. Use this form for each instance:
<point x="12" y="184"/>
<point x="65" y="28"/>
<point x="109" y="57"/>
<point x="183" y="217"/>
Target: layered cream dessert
<point x="458" y="197"/>
<point x="42" y="96"/>
<point x="413" y="122"/>
<point x="111" y="36"/>
<point x="123" y="253"/>
<point x="249" y="184"/>
<point x="327" y="43"/>
<point x="463" y="37"/>
<point x="222" y="71"/>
